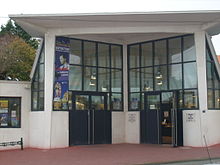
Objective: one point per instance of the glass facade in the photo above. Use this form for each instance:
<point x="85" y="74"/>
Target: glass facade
<point x="213" y="81"/>
<point x="37" y="87"/>
<point x="163" y="65"/>
<point x="93" y="67"/>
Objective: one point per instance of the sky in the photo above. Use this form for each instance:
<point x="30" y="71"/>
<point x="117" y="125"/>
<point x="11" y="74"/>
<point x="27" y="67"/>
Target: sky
<point x="93" y="6"/>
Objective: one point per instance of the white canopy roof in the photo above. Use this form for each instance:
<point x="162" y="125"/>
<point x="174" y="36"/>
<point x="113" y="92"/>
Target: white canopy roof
<point x="38" y="24"/>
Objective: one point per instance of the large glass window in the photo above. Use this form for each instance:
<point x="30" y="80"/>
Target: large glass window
<point x="37" y="88"/>
<point x="163" y="65"/>
<point x="10" y="112"/>
<point x="94" y="66"/>
<point x="213" y="81"/>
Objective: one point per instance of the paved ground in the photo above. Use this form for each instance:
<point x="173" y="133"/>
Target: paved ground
<point x="115" y="154"/>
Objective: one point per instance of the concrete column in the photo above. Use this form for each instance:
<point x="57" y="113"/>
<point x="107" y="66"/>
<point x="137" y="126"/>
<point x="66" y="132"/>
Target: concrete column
<point x="202" y="82"/>
<point x="48" y="94"/>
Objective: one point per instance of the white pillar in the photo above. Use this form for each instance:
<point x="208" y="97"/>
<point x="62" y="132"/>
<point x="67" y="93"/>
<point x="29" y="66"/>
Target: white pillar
<point x="125" y="77"/>
<point x="200" y="43"/>
<point x="48" y="89"/>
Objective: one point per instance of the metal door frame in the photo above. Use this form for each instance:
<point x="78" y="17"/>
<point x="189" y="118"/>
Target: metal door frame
<point x="175" y="114"/>
<point x="90" y="113"/>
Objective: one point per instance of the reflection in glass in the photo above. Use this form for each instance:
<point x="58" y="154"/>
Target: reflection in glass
<point x="147" y="79"/>
<point x="34" y="101"/>
<point x="75" y="51"/>
<point x="75" y="78"/>
<point x="147" y="54"/>
<point x="190" y="99"/>
<point x="82" y="102"/>
<point x="98" y="103"/>
<point x="189" y="51"/>
<point x="116" y="101"/>
<point x="167" y="97"/>
<point x="190" y="75"/>
<point x="134" y="56"/>
<point x="90" y="79"/>
<point x="103" y="84"/>
<point x="217" y="99"/>
<point x="175" y="76"/>
<point x="89" y="53"/>
<point x="174" y="50"/>
<point x="134" y="80"/>
<point x="116" y="80"/>
<point x="209" y="71"/>
<point x="116" y="56"/>
<point x="160" y="78"/>
<point x="134" y="101"/>
<point x="103" y="55"/>
<point x="153" y="102"/>
<point x="41" y="100"/>
<point x="210" y="98"/>
<point x="41" y="76"/>
<point x="160" y="52"/>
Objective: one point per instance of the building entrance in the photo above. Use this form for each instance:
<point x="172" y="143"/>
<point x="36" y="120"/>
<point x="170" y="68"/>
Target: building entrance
<point x="161" y="120"/>
<point x="89" y="120"/>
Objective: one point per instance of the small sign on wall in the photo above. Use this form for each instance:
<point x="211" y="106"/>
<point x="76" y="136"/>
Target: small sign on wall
<point x="131" y="117"/>
<point x="190" y="117"/>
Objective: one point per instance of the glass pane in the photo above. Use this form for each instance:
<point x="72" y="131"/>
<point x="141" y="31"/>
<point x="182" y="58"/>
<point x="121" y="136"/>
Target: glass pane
<point x="134" y="101"/>
<point x="116" y="80"/>
<point x="75" y="78"/>
<point x="147" y="54"/>
<point x="160" y="77"/>
<point x="216" y="78"/>
<point x="209" y="72"/>
<point x="34" y="85"/>
<point x="103" y="78"/>
<point x="75" y="51"/>
<point x="160" y="52"/>
<point x="15" y="111"/>
<point x="36" y="74"/>
<point x="175" y="76"/>
<point x="70" y="104"/>
<point x="147" y="79"/>
<point x="134" y="80"/>
<point x="90" y="79"/>
<point x="208" y="54"/>
<point x="210" y="98"/>
<point x="174" y="50"/>
<point x="98" y="103"/>
<point x="103" y="55"/>
<point x="89" y="53"/>
<point x="116" y="101"/>
<point x="41" y="76"/>
<point x="42" y="56"/>
<point x="180" y="99"/>
<point x="134" y="56"/>
<point x="190" y="75"/>
<point x="189" y="51"/>
<point x="190" y="99"/>
<point x="41" y="100"/>
<point x="34" y="101"/>
<point x="116" y="56"/>
<point x="167" y="97"/>
<point x="82" y="102"/>
<point x="153" y="102"/>
<point x="217" y="99"/>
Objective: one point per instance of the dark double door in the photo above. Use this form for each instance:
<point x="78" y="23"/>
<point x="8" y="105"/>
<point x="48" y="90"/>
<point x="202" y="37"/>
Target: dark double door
<point x="161" y="120"/>
<point x="89" y="120"/>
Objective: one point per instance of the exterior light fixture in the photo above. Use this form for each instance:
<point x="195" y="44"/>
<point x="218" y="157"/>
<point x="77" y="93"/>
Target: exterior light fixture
<point x="146" y="86"/>
<point x="160" y="82"/>
<point x="92" y="83"/>
<point x="159" y="74"/>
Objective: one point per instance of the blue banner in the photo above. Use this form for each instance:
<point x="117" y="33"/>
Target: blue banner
<point x="61" y="84"/>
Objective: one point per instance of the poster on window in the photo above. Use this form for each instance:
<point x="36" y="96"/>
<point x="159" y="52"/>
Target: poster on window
<point x="61" y="84"/>
<point x="3" y="119"/>
<point x="3" y="106"/>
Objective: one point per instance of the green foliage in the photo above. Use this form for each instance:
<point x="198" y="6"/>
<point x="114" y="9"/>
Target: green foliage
<point x="16" y="30"/>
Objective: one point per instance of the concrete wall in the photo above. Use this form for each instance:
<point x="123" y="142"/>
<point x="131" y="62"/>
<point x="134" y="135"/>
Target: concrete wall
<point x="17" y="89"/>
<point x="118" y="127"/>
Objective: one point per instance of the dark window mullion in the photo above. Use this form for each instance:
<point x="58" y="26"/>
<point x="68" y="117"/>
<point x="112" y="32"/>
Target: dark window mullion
<point x="153" y="62"/>
<point x="140" y="54"/>
<point x="83" y="70"/>
<point x="168" y="75"/>
<point x="183" y="100"/>
<point x="110" y="79"/>
<point x="97" y="64"/>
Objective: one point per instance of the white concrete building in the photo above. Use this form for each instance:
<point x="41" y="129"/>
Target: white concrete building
<point x="124" y="78"/>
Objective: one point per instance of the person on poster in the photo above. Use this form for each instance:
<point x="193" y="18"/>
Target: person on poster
<point x="58" y="91"/>
<point x="64" y="64"/>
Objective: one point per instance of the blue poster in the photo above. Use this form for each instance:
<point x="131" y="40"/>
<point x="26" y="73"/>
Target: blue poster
<point x="61" y="84"/>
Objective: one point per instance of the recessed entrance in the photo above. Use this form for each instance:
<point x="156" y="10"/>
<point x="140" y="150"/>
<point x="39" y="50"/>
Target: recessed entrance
<point x="89" y="120"/>
<point x="161" y="120"/>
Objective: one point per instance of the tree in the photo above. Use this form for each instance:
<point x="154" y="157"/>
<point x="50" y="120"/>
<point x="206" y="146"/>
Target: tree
<point x="14" y="29"/>
<point x="16" y="57"/>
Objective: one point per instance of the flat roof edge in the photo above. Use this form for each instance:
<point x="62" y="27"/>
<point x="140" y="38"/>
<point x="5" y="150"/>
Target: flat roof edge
<point x="114" y="13"/>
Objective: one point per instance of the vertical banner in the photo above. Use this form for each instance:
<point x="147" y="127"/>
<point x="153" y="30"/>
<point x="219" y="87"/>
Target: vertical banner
<point x="4" y="113"/>
<point x="61" y="83"/>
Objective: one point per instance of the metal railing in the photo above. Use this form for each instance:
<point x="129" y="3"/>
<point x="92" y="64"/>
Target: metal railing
<point x="13" y="143"/>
